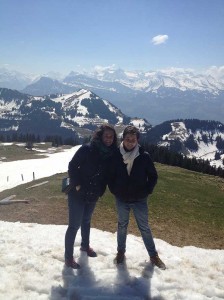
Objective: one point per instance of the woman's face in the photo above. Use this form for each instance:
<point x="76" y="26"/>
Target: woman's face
<point x="130" y="141"/>
<point x="108" y="137"/>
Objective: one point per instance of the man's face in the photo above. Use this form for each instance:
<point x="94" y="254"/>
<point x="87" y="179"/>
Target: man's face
<point x="108" y="137"/>
<point x="130" y="141"/>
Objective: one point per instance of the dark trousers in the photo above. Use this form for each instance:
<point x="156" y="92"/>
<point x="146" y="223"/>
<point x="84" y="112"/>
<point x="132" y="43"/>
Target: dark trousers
<point x="80" y="214"/>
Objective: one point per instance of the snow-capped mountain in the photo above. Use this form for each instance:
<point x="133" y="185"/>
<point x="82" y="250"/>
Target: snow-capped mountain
<point x="182" y="79"/>
<point x="193" y="138"/>
<point x="14" y="79"/>
<point x="170" y="78"/>
<point x="78" y="112"/>
<point x="149" y="81"/>
<point x="183" y="93"/>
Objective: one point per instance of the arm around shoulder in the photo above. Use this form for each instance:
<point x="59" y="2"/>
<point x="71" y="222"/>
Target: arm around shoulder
<point x="151" y="173"/>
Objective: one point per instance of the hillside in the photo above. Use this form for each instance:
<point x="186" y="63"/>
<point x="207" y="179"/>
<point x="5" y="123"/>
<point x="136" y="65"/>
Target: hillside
<point x="186" y="208"/>
<point x="75" y="114"/>
<point x="201" y="139"/>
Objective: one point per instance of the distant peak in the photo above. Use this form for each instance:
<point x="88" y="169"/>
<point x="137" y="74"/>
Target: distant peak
<point x="45" y="78"/>
<point x="73" y="73"/>
<point x="82" y="91"/>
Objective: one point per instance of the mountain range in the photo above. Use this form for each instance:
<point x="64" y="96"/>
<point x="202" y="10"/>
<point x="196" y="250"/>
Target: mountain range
<point x="78" y="114"/>
<point x="156" y="96"/>
<point x="192" y="137"/>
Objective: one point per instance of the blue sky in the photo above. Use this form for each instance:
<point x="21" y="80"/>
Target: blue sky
<point x="63" y="35"/>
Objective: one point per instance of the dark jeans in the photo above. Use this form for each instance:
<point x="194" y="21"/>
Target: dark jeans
<point x="140" y="210"/>
<point x="80" y="214"/>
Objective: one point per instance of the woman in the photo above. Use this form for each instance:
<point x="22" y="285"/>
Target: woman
<point x="133" y="178"/>
<point x="88" y="173"/>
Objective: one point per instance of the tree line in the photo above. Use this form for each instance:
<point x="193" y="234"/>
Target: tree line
<point x="159" y="154"/>
<point x="163" y="155"/>
<point x="30" y="139"/>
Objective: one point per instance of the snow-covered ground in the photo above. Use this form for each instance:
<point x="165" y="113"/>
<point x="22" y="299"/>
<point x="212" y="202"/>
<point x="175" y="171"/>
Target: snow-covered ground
<point x="22" y="171"/>
<point x="32" y="265"/>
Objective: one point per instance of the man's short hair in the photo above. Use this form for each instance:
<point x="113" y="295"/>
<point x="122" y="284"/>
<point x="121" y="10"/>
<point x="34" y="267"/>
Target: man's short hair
<point x="130" y="129"/>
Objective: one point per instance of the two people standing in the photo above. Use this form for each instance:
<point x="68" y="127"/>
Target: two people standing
<point x="131" y="177"/>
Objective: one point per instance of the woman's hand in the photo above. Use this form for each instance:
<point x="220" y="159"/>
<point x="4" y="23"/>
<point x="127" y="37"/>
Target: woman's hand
<point x="78" y="187"/>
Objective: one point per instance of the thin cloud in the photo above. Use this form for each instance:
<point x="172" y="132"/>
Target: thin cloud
<point x="159" y="39"/>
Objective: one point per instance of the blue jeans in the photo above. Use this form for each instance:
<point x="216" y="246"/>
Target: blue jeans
<point x="80" y="214"/>
<point x="140" y="210"/>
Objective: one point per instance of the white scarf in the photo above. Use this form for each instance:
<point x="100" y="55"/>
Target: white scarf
<point x="129" y="157"/>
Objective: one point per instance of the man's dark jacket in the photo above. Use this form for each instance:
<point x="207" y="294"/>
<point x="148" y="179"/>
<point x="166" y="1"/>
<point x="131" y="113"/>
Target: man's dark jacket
<point x="88" y="169"/>
<point x="141" y="181"/>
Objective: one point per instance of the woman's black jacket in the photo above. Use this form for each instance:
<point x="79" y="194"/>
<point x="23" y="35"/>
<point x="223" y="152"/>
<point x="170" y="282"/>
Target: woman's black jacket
<point x="88" y="169"/>
<point x="136" y="186"/>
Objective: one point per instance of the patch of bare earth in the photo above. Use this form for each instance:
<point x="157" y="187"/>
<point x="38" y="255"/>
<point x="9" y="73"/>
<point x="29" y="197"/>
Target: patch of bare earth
<point x="54" y="211"/>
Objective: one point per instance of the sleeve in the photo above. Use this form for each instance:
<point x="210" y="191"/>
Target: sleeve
<point x="151" y="173"/>
<point x="111" y="173"/>
<point x="75" y="164"/>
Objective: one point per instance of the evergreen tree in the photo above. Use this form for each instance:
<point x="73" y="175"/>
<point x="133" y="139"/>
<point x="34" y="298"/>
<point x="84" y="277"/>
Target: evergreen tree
<point x="191" y="144"/>
<point x="165" y="156"/>
<point x="205" y="138"/>
<point x="219" y="143"/>
<point x="217" y="156"/>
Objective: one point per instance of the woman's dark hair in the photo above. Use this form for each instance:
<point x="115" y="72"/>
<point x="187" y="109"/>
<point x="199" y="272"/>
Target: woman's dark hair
<point x="131" y="130"/>
<point x="98" y="133"/>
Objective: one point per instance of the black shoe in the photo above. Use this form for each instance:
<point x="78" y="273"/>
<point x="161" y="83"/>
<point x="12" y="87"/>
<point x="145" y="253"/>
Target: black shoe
<point x="72" y="264"/>
<point x="90" y="252"/>
<point x="156" y="261"/>
<point x="119" y="259"/>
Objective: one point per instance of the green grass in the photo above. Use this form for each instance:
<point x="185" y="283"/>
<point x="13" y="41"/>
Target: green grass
<point x="190" y="196"/>
<point x="186" y="208"/>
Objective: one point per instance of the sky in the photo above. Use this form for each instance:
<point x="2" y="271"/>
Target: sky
<point x="32" y="258"/>
<point x="79" y="35"/>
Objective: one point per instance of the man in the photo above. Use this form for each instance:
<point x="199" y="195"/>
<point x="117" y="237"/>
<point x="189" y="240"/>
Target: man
<point x="133" y="177"/>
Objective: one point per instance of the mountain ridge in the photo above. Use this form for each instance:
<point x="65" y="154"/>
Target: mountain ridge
<point x="69" y="113"/>
<point x="193" y="138"/>
<point x="137" y="80"/>
<point x="79" y="113"/>
<point x="184" y="93"/>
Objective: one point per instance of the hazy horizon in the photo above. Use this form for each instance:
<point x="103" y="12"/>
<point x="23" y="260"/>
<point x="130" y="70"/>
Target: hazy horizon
<point x="217" y="73"/>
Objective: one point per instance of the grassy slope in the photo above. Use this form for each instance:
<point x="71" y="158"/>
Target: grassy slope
<point x="186" y="208"/>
